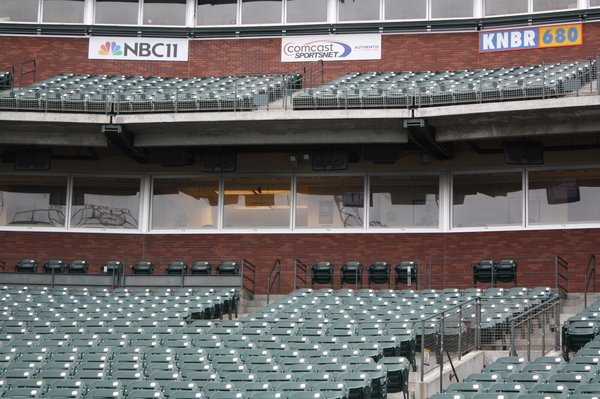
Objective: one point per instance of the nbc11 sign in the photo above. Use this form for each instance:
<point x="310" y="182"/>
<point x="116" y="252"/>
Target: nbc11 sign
<point x="331" y="48"/>
<point x="137" y="48"/>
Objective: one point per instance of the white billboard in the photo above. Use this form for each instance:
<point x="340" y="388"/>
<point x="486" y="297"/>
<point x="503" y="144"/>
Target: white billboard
<point x="331" y="48"/>
<point x="137" y="48"/>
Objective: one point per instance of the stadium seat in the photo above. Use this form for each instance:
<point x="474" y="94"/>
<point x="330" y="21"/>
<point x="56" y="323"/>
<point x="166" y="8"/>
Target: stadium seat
<point x="54" y="266"/>
<point x="26" y="266"/>
<point x="406" y="272"/>
<point x="78" y="266"/>
<point x="143" y="268"/>
<point x="228" y="268"/>
<point x="351" y="273"/>
<point x="176" y="267"/>
<point x="322" y="273"/>
<point x="379" y="273"/>
<point x="112" y="267"/>
<point x="201" y="268"/>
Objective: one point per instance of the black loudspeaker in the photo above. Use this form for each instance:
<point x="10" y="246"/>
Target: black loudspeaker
<point x="524" y="152"/>
<point x="33" y="159"/>
<point x="381" y="154"/>
<point x="170" y="156"/>
<point x="330" y="160"/>
<point x="219" y="162"/>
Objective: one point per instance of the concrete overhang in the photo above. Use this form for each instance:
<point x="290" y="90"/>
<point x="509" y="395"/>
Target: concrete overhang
<point x="52" y="129"/>
<point x="273" y="127"/>
<point x="560" y="116"/>
<point x="564" y="116"/>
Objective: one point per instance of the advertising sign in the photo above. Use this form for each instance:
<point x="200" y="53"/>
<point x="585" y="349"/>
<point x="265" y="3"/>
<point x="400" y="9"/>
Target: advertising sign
<point x="137" y="48"/>
<point x="531" y="37"/>
<point x="331" y="48"/>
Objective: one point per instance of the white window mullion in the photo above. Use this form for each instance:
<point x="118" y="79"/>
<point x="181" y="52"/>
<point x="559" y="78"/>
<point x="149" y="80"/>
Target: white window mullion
<point x="526" y="198"/>
<point x="445" y="201"/>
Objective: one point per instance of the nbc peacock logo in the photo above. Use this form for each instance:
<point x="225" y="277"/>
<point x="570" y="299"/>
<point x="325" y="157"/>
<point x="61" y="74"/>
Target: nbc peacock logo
<point x="110" y="48"/>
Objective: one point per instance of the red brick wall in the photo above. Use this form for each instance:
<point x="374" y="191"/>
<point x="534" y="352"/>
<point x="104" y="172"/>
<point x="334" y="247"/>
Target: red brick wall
<point x="427" y="51"/>
<point x="451" y="253"/>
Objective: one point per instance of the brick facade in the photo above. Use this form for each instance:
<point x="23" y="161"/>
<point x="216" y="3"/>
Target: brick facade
<point x="451" y="254"/>
<point x="426" y="51"/>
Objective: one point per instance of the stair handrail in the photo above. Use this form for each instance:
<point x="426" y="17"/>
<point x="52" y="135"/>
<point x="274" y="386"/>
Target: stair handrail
<point x="274" y="275"/>
<point x="32" y="70"/>
<point x="561" y="275"/>
<point x="249" y="276"/>
<point x="590" y="275"/>
<point x="299" y="265"/>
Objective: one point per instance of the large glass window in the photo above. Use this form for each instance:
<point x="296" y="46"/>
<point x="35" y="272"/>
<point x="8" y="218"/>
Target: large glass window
<point x="330" y="202"/>
<point x="33" y="201"/>
<point x="210" y="12"/>
<point x="19" y="10"/>
<point x="397" y="9"/>
<point x="122" y="12"/>
<point x="306" y="11"/>
<point x="502" y="7"/>
<point x="257" y="202"/>
<point x="358" y="10"/>
<point x="65" y="11"/>
<point x="404" y="202"/>
<point x="594" y="3"/>
<point x="549" y="5"/>
<point x="564" y="196"/>
<point x="261" y="11"/>
<point x="185" y="203"/>
<point x="105" y="202"/>
<point x="451" y="9"/>
<point x="487" y="199"/>
<point x="164" y="12"/>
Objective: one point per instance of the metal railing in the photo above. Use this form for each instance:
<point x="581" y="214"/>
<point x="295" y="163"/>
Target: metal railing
<point x="530" y="331"/>
<point x="248" y="277"/>
<point x="27" y="68"/>
<point x="590" y="276"/>
<point x="561" y="273"/>
<point x="461" y="328"/>
<point x="447" y="333"/>
<point x="300" y="274"/>
<point x="274" y="276"/>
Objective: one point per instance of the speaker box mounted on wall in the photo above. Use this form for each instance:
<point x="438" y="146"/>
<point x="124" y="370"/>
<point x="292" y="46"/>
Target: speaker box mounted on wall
<point x="330" y="160"/>
<point x="524" y="152"/>
<point x="170" y="156"/>
<point x="219" y="161"/>
<point x="33" y="159"/>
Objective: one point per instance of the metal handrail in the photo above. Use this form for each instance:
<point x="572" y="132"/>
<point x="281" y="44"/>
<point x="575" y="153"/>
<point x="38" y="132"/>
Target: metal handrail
<point x="298" y="264"/>
<point x="561" y="276"/>
<point x="274" y="275"/>
<point x="248" y="277"/>
<point x="590" y="275"/>
<point x="476" y="301"/>
<point x="27" y="72"/>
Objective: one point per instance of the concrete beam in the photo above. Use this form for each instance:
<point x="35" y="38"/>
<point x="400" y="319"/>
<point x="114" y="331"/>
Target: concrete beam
<point x="47" y="134"/>
<point x="348" y="131"/>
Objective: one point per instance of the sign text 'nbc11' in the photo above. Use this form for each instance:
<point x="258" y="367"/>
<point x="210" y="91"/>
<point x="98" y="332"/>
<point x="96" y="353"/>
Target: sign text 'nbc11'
<point x="137" y="48"/>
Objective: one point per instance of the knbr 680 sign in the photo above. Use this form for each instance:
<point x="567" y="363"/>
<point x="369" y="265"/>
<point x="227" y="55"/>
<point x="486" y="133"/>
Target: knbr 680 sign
<point x="532" y="37"/>
<point x="563" y="35"/>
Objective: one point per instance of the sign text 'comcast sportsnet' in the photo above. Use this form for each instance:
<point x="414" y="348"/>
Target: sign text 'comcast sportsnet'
<point x="531" y="37"/>
<point x="331" y="48"/>
<point x="137" y="48"/>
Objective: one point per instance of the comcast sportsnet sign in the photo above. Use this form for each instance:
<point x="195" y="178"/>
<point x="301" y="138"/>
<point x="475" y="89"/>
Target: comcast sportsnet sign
<point x="331" y="48"/>
<point x="137" y="48"/>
